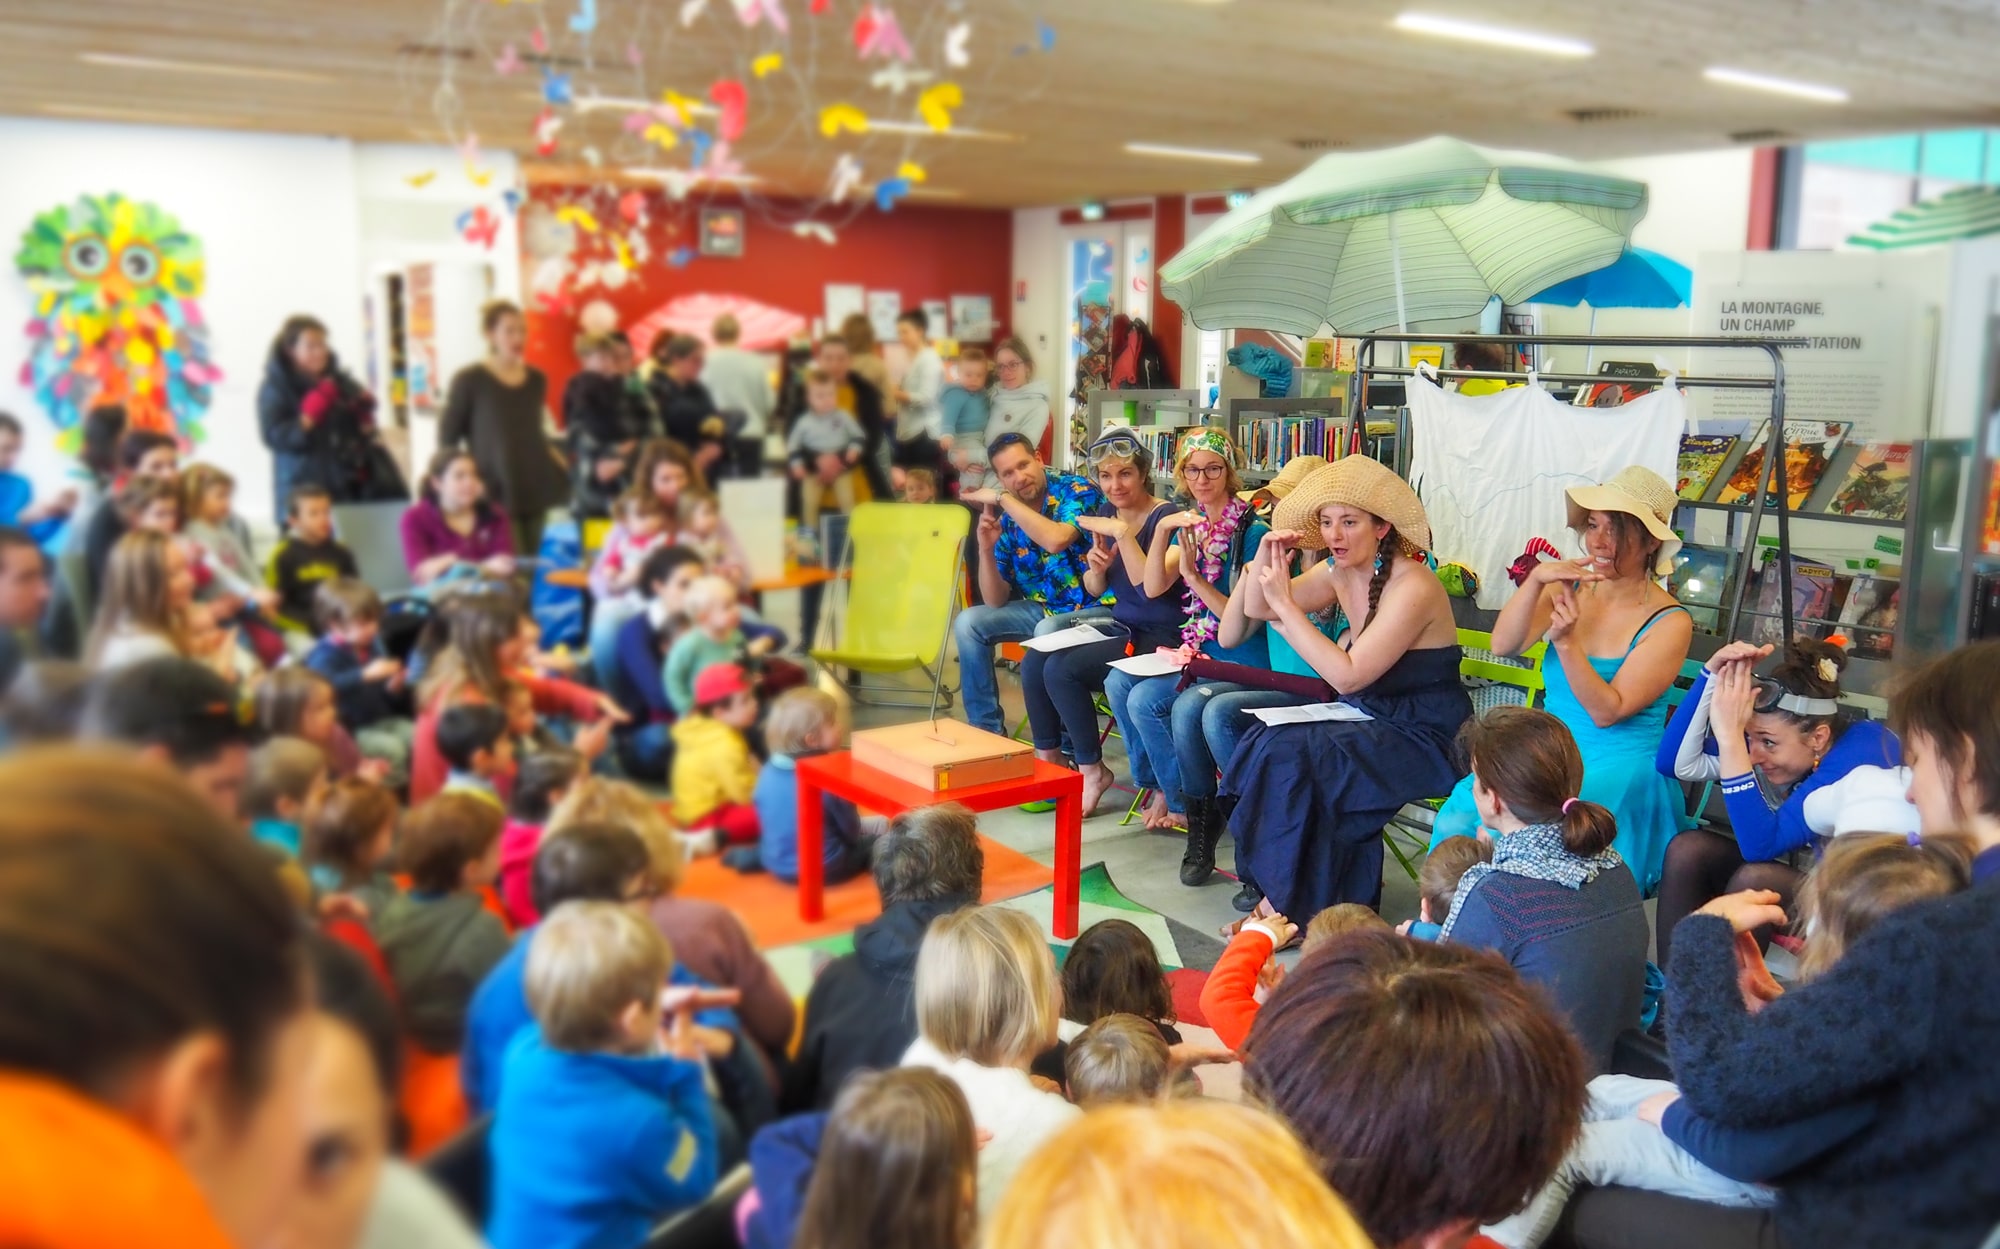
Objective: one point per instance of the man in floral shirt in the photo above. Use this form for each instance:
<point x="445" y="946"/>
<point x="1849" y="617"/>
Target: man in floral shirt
<point x="1031" y="564"/>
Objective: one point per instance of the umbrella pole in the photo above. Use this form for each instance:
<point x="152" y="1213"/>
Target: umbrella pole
<point x="1590" y="352"/>
<point x="1396" y="267"/>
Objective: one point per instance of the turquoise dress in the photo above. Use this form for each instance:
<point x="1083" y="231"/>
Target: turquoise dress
<point x="1618" y="771"/>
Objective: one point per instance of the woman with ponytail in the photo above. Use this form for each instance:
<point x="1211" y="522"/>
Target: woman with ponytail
<point x="1557" y="901"/>
<point x="1771" y="742"/>
<point x="1616" y="640"/>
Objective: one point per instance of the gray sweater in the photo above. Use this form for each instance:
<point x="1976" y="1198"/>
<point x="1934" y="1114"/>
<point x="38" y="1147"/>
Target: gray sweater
<point x="824" y="433"/>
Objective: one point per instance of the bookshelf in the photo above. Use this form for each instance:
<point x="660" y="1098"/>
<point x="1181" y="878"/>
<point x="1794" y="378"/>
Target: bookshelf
<point x="1976" y="609"/>
<point x="1156" y="417"/>
<point x="1272" y="431"/>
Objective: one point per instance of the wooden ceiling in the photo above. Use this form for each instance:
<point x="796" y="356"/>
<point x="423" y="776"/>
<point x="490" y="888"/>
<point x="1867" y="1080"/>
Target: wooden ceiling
<point x="1285" y="79"/>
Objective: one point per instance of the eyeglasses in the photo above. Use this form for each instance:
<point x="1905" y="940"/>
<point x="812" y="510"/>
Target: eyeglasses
<point x="1005" y="365"/>
<point x="1206" y="472"/>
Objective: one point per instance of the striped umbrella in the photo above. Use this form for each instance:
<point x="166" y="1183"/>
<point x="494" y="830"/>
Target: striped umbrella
<point x="1419" y="236"/>
<point x="1967" y="213"/>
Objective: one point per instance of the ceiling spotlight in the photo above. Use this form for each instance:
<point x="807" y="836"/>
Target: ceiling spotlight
<point x="1492" y="36"/>
<point x="1777" y="86"/>
<point x="116" y="60"/>
<point x="1171" y="152"/>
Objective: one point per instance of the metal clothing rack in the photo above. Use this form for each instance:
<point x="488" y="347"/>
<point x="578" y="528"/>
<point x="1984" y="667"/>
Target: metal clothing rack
<point x="1773" y="485"/>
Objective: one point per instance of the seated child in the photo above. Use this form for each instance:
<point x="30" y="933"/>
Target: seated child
<point x="667" y="576"/>
<point x="307" y="557"/>
<point x="642" y="529"/>
<point x="893" y="1164"/>
<point x="804" y="722"/>
<point x="590" y="862"/>
<point x="715" y="636"/>
<point x="919" y="485"/>
<point x="1119" y="1058"/>
<point x="701" y="530"/>
<point x="298" y="702"/>
<point x="439" y="939"/>
<point x="1246" y="971"/>
<point x="287" y="776"/>
<point x="209" y="522"/>
<point x="1112" y="969"/>
<point x="1437" y="883"/>
<point x="715" y="775"/>
<point x="348" y="842"/>
<point x="44" y="521"/>
<point x="604" y="1125"/>
<point x="1639" y="1134"/>
<point x="475" y="744"/>
<point x="544" y="779"/>
<point x="532" y="735"/>
<point x="370" y="689"/>
<point x="824" y="446"/>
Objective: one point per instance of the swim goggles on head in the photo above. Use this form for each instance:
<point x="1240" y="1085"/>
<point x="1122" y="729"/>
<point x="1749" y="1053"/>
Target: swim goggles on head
<point x="1772" y="696"/>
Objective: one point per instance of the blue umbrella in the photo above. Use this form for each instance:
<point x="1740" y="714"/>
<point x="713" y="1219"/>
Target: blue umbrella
<point x="1637" y="279"/>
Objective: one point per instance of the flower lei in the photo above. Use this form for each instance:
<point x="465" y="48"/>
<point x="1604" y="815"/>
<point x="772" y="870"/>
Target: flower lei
<point x="1209" y="540"/>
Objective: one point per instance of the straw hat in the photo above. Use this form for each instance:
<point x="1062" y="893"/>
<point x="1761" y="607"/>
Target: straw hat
<point x="1354" y="481"/>
<point x="1638" y="492"/>
<point x="1288" y="477"/>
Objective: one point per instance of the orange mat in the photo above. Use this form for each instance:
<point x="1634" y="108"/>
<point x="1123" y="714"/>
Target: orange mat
<point x="771" y="907"/>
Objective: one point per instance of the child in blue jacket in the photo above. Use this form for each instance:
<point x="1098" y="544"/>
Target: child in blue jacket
<point x="806" y="721"/>
<point x="604" y="1125"/>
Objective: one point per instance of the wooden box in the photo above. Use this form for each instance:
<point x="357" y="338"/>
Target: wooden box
<point x="943" y="755"/>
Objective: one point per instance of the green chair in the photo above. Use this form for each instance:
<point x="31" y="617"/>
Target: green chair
<point x="893" y="610"/>
<point x="1491" y="680"/>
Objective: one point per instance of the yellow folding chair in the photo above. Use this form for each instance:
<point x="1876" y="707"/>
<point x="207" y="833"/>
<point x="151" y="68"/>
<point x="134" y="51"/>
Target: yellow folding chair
<point x="894" y="610"/>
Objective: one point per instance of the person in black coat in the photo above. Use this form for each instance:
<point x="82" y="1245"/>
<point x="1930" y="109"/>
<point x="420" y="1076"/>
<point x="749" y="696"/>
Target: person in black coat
<point x="861" y="1013"/>
<point x="320" y="424"/>
<point x="687" y="410"/>
<point x="604" y="421"/>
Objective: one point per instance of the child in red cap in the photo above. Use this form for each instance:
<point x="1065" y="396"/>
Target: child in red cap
<point x="715" y="773"/>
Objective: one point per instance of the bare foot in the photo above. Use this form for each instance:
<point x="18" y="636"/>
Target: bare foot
<point x="1097" y="779"/>
<point x="1175" y="822"/>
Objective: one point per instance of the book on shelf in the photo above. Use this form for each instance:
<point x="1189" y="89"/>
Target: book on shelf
<point x="1612" y="394"/>
<point x="1813" y="607"/>
<point x="1700" y="575"/>
<point x="1877" y="487"/>
<point x="1702" y="456"/>
<point x="1985" y="618"/>
<point x="1809" y="447"/>
<point x="1269" y="443"/>
<point x="1989" y="537"/>
<point x="1868" y="617"/>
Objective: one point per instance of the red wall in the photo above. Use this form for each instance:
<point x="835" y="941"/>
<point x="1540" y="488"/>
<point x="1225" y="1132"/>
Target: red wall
<point x="923" y="253"/>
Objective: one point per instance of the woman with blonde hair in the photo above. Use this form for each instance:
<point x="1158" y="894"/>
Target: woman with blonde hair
<point x="988" y="1001"/>
<point x="148" y="590"/>
<point x="1189" y="1174"/>
<point x="708" y="938"/>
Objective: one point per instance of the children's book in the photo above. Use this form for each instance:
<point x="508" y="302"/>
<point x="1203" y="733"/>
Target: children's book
<point x="1809" y="446"/>
<point x="1812" y="601"/>
<point x="1878" y="485"/>
<point x="1702" y="456"/>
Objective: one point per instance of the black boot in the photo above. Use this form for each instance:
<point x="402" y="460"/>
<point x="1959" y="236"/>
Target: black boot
<point x="1248" y="896"/>
<point x="1204" y="831"/>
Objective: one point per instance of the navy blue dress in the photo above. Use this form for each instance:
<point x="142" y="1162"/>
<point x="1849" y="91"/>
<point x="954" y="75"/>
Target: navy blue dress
<point x="1313" y="798"/>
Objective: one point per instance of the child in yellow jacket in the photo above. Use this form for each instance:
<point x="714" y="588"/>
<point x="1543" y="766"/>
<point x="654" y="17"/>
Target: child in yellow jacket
<point x="715" y="775"/>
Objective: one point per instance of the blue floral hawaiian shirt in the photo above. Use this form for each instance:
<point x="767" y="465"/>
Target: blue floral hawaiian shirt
<point x="1055" y="581"/>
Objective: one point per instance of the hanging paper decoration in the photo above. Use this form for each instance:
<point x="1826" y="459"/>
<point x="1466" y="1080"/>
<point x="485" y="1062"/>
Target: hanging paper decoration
<point x="555" y="87"/>
<point x="584" y="20"/>
<point x="1046" y="34"/>
<point x="767" y="64"/>
<point x="819" y="7"/>
<point x="547" y="125"/>
<point x="115" y="316"/>
<point x="721" y="166"/>
<point x="633" y="56"/>
<point x="680" y="257"/>
<point x="815" y="230"/>
<point x="887" y="193"/>
<point x="733" y="101"/>
<point x="539" y="41"/>
<point x="691" y="11"/>
<point x="955" y="41"/>
<point x="936" y="103"/>
<point x="591" y="157"/>
<point x="835" y="118"/>
<point x="632" y="206"/>
<point x="750" y="12"/>
<point x="468" y="151"/>
<point x="508" y="62"/>
<point x="911" y="171"/>
<point x="662" y="135"/>
<point x="511" y="197"/>
<point x="877" y="33"/>
<point x="699" y="141"/>
<point x="421" y="180"/>
<point x="578" y="216"/>
<point x="479" y="225"/>
<point x="896" y="77"/>
<point x="846" y="176"/>
<point x="683" y="106"/>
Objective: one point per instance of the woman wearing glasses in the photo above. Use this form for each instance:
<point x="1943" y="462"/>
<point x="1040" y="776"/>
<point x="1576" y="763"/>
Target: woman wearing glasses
<point x="1058" y="685"/>
<point x="1019" y="405"/>
<point x="1770" y="742"/>
<point x="1195" y="555"/>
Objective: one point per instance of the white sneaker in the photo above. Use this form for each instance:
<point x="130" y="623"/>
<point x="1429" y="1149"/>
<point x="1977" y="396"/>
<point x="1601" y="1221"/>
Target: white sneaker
<point x="699" y="844"/>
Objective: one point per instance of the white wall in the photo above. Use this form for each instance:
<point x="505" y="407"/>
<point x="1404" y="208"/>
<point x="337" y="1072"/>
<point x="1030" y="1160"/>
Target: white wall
<point x="276" y="216"/>
<point x="1042" y="319"/>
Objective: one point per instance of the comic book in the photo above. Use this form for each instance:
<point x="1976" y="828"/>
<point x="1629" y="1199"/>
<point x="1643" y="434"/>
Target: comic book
<point x="1702" y="456"/>
<point x="1878" y="485"/>
<point x="1868" y="618"/>
<point x="1809" y="446"/>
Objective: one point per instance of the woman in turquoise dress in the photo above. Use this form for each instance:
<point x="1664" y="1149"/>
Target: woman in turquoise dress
<point x="1617" y="640"/>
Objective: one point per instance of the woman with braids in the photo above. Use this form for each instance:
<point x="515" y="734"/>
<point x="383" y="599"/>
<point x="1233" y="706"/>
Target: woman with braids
<point x="1771" y="742"/>
<point x="1312" y="798"/>
<point x="1616" y="643"/>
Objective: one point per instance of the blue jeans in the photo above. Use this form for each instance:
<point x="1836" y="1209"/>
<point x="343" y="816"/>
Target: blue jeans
<point x="1143" y="707"/>
<point x="1058" y="686"/>
<point x="977" y="631"/>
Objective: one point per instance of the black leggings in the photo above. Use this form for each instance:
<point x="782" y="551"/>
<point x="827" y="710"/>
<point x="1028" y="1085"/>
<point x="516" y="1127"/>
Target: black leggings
<point x="1701" y="867"/>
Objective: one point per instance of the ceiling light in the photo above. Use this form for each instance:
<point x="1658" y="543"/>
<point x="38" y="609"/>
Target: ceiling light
<point x="1779" y="86"/>
<point x="107" y="112"/>
<point x="956" y="132"/>
<point x="1219" y="155"/>
<point x="1236" y="199"/>
<point x="114" y="60"/>
<point x="691" y="175"/>
<point x="1092" y="210"/>
<point x="629" y="104"/>
<point x="1492" y="36"/>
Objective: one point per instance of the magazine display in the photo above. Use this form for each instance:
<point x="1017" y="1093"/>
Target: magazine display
<point x="1809" y="448"/>
<point x="1868" y="617"/>
<point x="1878" y="486"/>
<point x="1702" y="457"/>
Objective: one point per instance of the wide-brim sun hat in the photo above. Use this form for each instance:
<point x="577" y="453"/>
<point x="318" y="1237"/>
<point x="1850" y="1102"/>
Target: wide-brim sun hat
<point x="1356" y="481"/>
<point x="1637" y="492"/>
<point x="1295" y="471"/>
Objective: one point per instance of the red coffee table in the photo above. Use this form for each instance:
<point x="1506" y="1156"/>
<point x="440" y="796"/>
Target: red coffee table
<point x="872" y="790"/>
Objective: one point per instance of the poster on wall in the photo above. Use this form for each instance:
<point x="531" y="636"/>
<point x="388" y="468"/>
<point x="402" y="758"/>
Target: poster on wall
<point x="115" y="316"/>
<point x="883" y="309"/>
<point x="420" y="335"/>
<point x="722" y="233"/>
<point x="972" y="318"/>
<point x="1852" y="363"/>
<point x="939" y="317"/>
<point x="843" y="300"/>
